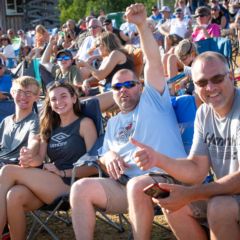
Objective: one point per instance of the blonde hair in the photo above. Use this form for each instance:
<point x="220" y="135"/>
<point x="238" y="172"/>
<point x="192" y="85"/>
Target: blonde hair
<point x="26" y="81"/>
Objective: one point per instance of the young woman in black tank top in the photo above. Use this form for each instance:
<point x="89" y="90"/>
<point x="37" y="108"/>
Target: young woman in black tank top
<point x="29" y="188"/>
<point x="115" y="57"/>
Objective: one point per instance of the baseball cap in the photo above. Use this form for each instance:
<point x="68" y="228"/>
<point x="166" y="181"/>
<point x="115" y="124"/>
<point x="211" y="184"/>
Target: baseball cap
<point x="202" y="11"/>
<point x="165" y="9"/>
<point x="154" y="8"/>
<point x="178" y="10"/>
<point x="64" y="52"/>
<point x="107" y="21"/>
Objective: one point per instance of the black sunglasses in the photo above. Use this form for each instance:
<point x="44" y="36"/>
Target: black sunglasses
<point x="201" y="15"/>
<point x="214" y="80"/>
<point x="93" y="27"/>
<point x="128" y="84"/>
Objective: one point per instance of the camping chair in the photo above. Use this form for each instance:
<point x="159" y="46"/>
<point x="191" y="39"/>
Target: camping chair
<point x="217" y="44"/>
<point x="7" y="107"/>
<point x="91" y="109"/>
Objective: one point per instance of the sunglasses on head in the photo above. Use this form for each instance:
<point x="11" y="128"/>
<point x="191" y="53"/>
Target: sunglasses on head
<point x="202" y="15"/>
<point x="93" y="27"/>
<point x="214" y="80"/>
<point x="65" y="57"/>
<point x="128" y="84"/>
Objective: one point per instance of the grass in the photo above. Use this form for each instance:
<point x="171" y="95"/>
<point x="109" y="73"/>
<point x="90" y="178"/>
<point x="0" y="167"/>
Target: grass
<point x="105" y="232"/>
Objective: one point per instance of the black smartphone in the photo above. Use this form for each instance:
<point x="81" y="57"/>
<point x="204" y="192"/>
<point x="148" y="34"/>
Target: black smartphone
<point x="153" y="190"/>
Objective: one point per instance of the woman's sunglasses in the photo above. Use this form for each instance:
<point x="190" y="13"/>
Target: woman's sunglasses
<point x="127" y="84"/>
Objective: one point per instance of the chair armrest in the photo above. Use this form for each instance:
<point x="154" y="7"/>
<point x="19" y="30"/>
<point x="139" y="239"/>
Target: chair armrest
<point x="86" y="160"/>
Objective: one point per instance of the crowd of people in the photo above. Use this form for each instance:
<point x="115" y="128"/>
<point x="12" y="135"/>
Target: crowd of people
<point x="142" y="141"/>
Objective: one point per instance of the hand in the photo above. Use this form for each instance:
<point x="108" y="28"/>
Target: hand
<point x="136" y="13"/>
<point x="145" y="156"/>
<point x="179" y="197"/>
<point x="53" y="40"/>
<point x="25" y="157"/>
<point x="86" y="87"/>
<point x="82" y="63"/>
<point x="115" y="165"/>
<point x="52" y="168"/>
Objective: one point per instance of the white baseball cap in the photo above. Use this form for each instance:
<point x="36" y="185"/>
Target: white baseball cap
<point x="165" y="9"/>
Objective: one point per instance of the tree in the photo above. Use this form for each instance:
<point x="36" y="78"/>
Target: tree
<point x="76" y="9"/>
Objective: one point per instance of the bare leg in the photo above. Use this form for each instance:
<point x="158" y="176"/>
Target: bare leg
<point x="137" y="199"/>
<point x="36" y="180"/>
<point x="223" y="221"/>
<point x="85" y="195"/>
<point x="184" y="226"/>
<point x="19" y="200"/>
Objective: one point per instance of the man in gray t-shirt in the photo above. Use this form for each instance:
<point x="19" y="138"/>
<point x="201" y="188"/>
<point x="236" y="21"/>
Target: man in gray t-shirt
<point x="20" y="130"/>
<point x="216" y="145"/>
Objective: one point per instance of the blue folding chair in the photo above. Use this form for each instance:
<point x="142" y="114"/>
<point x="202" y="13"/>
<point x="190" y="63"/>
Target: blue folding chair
<point x="216" y="44"/>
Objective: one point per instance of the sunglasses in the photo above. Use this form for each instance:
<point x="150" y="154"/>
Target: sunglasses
<point x="93" y="27"/>
<point x="214" y="80"/>
<point x="128" y="84"/>
<point x="24" y="93"/>
<point x="65" y="58"/>
<point x="214" y="9"/>
<point x="201" y="15"/>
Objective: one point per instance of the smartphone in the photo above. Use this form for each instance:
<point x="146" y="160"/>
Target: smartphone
<point x="155" y="191"/>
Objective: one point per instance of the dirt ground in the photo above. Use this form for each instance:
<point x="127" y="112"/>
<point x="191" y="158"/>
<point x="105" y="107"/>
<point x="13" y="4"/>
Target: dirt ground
<point x="104" y="232"/>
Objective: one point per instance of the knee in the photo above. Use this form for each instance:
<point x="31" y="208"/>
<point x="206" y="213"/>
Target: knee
<point x="6" y="170"/>
<point x="15" y="196"/>
<point x="217" y="213"/>
<point x="135" y="188"/>
<point x="79" y="191"/>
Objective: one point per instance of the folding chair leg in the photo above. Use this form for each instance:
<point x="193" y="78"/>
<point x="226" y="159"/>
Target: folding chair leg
<point x="43" y="225"/>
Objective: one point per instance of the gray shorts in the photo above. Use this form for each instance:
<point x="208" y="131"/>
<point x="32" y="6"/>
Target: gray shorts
<point x="117" y="195"/>
<point x="199" y="210"/>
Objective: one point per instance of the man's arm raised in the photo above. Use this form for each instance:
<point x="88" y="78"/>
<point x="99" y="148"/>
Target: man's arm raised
<point x="136" y="14"/>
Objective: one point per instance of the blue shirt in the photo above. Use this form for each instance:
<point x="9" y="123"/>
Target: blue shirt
<point x="5" y="83"/>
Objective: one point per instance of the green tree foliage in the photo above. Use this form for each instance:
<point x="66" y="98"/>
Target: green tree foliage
<point x="76" y="9"/>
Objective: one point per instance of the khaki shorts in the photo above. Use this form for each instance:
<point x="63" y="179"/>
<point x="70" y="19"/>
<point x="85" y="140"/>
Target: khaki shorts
<point x="199" y="210"/>
<point x="117" y="195"/>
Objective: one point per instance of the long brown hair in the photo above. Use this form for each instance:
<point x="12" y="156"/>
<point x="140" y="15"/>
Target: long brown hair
<point x="49" y="119"/>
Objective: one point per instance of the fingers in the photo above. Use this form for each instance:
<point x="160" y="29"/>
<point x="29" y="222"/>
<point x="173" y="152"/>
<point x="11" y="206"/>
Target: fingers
<point x="142" y="159"/>
<point x="166" y="186"/>
<point x="137" y="143"/>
